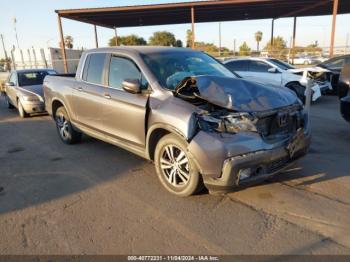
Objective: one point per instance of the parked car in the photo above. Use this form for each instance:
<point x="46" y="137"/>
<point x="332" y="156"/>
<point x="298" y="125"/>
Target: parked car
<point x="344" y="92"/>
<point x="183" y="110"/>
<point x="335" y="65"/>
<point x="24" y="90"/>
<point x="272" y="71"/>
<point x="303" y="60"/>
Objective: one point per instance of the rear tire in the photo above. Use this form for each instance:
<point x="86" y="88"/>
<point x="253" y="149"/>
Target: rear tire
<point x="64" y="127"/>
<point x="175" y="168"/>
<point x="22" y="113"/>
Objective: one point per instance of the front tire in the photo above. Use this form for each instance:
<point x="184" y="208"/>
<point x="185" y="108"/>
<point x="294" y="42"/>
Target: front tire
<point x="8" y="103"/>
<point x="175" y="168"/>
<point x="64" y="127"/>
<point x="22" y="113"/>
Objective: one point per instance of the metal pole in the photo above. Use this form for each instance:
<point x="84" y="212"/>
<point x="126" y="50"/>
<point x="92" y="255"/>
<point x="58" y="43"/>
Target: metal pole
<point x="272" y="32"/>
<point x="5" y="53"/>
<point x="116" y="36"/>
<point x="63" y="48"/>
<point x="335" y="11"/>
<point x="293" y="43"/>
<point x="15" y="27"/>
<point x="219" y="38"/>
<point x="234" y="47"/>
<point x="192" y="21"/>
<point x="96" y="38"/>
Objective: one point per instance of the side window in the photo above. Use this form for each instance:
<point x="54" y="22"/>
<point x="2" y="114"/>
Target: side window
<point x="94" y="68"/>
<point x="239" y="65"/>
<point x="13" y="78"/>
<point x="122" y="68"/>
<point x="259" y="66"/>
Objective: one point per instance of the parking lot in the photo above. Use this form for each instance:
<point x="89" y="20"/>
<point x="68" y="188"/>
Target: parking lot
<point x="94" y="198"/>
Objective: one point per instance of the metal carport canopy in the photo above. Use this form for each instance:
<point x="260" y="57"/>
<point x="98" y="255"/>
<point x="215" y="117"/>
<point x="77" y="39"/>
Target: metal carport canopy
<point x="205" y="11"/>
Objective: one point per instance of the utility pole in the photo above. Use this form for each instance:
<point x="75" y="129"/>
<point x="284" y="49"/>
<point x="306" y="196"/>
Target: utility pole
<point x="234" y="47"/>
<point x="15" y="27"/>
<point x="219" y="38"/>
<point x="5" y="53"/>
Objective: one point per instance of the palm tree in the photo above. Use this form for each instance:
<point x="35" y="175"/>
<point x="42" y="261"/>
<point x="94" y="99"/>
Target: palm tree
<point x="258" y="38"/>
<point x="68" y="41"/>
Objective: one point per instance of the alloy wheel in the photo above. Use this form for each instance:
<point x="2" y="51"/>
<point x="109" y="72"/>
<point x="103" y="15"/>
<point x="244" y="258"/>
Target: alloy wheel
<point x="62" y="125"/>
<point x="174" y="165"/>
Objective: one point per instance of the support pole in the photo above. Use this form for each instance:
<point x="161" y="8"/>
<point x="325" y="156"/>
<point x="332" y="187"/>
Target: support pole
<point x="63" y="47"/>
<point x="192" y="21"/>
<point x="5" y="53"/>
<point x="96" y="38"/>
<point x="116" y="36"/>
<point x="335" y="11"/>
<point x="272" y="32"/>
<point x="293" y="42"/>
<point x="219" y="38"/>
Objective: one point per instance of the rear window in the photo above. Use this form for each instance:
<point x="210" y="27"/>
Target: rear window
<point x="239" y="65"/>
<point x="93" y="70"/>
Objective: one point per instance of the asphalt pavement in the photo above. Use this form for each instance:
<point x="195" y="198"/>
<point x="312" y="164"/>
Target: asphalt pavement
<point x="95" y="198"/>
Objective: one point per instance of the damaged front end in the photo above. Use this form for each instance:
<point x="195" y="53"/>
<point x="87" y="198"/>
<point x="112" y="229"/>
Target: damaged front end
<point x="245" y="131"/>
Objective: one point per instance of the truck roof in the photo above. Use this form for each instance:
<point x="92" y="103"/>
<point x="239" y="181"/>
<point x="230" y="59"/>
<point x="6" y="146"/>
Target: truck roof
<point x="141" y="49"/>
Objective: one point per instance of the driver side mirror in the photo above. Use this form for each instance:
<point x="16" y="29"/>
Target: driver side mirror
<point x="272" y="70"/>
<point x="132" y="86"/>
<point x="9" y="84"/>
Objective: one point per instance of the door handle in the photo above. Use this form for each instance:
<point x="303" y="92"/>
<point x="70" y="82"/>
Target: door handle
<point x="108" y="96"/>
<point x="80" y="88"/>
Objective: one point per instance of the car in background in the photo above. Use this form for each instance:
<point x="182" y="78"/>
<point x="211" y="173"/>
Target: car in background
<point x="303" y="60"/>
<point x="185" y="111"/>
<point x="344" y="92"/>
<point x="278" y="73"/>
<point x="335" y="65"/>
<point x="24" y="90"/>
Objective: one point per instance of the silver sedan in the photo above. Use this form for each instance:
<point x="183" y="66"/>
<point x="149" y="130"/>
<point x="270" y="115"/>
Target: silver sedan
<point x="24" y="90"/>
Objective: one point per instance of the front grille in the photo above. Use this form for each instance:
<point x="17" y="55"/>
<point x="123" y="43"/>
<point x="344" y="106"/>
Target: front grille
<point x="276" y="165"/>
<point x="271" y="125"/>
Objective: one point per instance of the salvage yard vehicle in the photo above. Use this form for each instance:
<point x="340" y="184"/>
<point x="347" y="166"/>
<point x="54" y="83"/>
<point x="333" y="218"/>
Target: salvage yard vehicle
<point x="275" y="72"/>
<point x="185" y="111"/>
<point x="303" y="60"/>
<point x="344" y="92"/>
<point x="24" y="90"/>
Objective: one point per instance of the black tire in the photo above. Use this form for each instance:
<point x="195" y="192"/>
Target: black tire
<point x="177" y="167"/>
<point x="299" y="90"/>
<point x="8" y="103"/>
<point x="22" y="113"/>
<point x="64" y="127"/>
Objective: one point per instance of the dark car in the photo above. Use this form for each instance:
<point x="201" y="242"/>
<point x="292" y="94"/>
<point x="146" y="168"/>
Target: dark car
<point x="183" y="110"/>
<point x="344" y="92"/>
<point x="335" y="65"/>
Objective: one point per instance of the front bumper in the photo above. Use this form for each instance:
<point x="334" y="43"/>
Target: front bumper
<point x="345" y="107"/>
<point x="245" y="152"/>
<point x="33" y="107"/>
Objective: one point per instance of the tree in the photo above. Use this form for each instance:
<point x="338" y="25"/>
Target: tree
<point x="244" y="49"/>
<point x="279" y="47"/>
<point x="178" y="43"/>
<point x="128" y="40"/>
<point x="162" y="38"/>
<point x="189" y="38"/>
<point x="258" y="37"/>
<point x="68" y="41"/>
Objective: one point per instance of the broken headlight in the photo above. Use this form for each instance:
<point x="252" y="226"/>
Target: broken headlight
<point x="232" y="123"/>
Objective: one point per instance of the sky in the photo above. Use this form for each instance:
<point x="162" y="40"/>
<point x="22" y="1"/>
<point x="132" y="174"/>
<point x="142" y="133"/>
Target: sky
<point x="37" y="26"/>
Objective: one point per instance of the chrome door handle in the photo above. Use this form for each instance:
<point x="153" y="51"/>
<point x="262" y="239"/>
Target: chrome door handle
<point x="108" y="96"/>
<point x="80" y="89"/>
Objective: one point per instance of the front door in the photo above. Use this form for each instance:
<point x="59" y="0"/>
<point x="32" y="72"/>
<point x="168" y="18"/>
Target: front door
<point x="123" y="112"/>
<point x="259" y="72"/>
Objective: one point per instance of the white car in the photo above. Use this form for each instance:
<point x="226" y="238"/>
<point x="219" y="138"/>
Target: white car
<point x="278" y="73"/>
<point x="303" y="60"/>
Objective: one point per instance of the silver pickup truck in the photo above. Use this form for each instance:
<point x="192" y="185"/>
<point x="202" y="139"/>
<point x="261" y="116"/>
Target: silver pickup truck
<point x="200" y="123"/>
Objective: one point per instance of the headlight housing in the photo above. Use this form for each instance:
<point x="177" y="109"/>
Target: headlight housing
<point x="30" y="98"/>
<point x="232" y="123"/>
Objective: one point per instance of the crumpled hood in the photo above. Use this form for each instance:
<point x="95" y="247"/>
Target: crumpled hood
<point x="35" y="90"/>
<point x="242" y="95"/>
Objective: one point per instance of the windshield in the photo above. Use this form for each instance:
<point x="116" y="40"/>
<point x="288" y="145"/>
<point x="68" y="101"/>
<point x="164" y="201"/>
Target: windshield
<point x="281" y="64"/>
<point x="33" y="78"/>
<point x="172" y="67"/>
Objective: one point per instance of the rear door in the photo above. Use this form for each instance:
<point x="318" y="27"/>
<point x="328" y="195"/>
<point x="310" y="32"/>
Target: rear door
<point x="87" y="94"/>
<point x="259" y="72"/>
<point x="123" y="112"/>
<point x="238" y="66"/>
